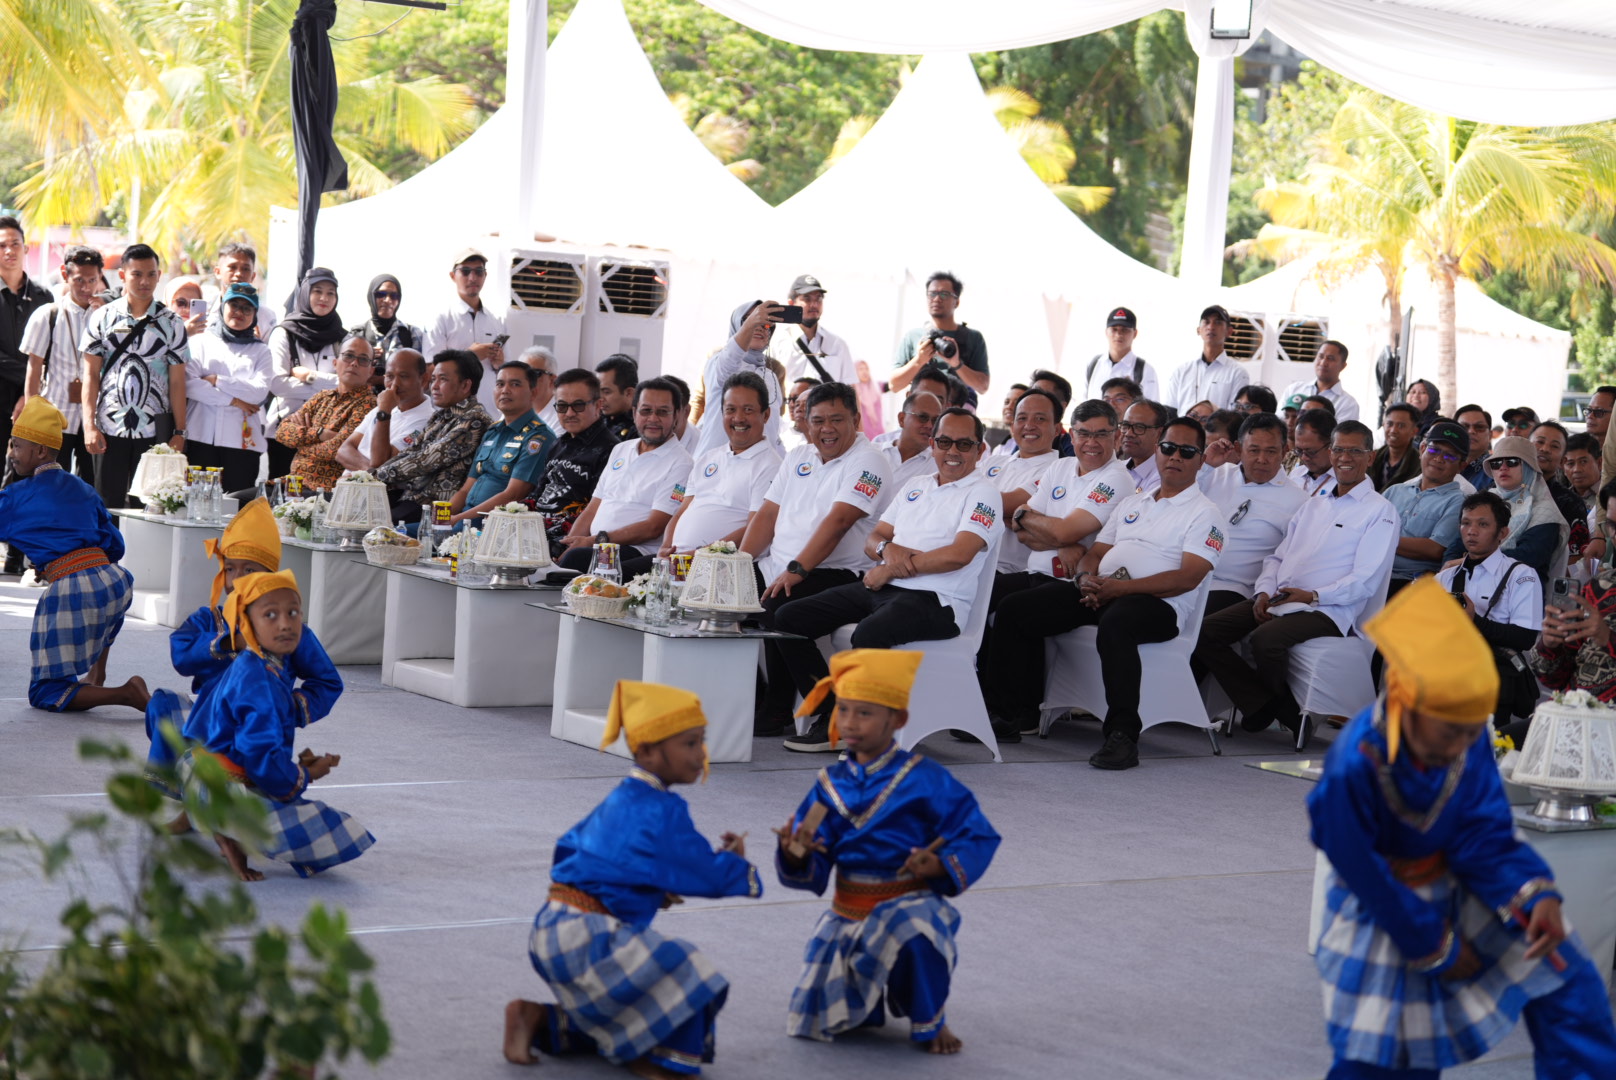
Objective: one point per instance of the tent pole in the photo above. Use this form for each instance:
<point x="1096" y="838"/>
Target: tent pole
<point x="528" y="34"/>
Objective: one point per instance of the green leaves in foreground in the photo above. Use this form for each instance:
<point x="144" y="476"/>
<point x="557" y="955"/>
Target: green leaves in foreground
<point x="175" y="981"/>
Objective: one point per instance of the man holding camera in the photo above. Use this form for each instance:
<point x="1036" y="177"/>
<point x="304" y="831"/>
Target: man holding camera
<point x="811" y="352"/>
<point x="943" y="342"/>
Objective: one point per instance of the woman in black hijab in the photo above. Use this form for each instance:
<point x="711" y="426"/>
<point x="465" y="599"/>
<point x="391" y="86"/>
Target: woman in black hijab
<point x="1424" y="396"/>
<point x="385" y="330"/>
<point x="304" y="348"/>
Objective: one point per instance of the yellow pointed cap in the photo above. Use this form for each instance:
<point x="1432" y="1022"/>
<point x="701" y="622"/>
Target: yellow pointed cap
<point x="880" y="676"/>
<point x="650" y="712"/>
<point x="40" y="422"/>
<point x="1436" y="661"/>
<point x="251" y="535"/>
<point x="250" y="587"/>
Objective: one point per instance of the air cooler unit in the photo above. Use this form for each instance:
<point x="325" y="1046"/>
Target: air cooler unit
<point x="1277" y="349"/>
<point x="549" y="290"/>
<point x="1299" y="339"/>
<point x="626" y="311"/>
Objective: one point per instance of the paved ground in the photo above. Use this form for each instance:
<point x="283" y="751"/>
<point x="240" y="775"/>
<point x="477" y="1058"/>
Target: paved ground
<point x="1136" y="925"/>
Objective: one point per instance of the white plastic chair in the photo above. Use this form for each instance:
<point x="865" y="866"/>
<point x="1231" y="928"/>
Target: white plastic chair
<point x="946" y="695"/>
<point x="1167" y="690"/>
<point x="1331" y="676"/>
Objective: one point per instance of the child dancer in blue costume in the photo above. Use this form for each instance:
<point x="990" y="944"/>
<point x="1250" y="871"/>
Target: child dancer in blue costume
<point x="247" y="724"/>
<point x="623" y="990"/>
<point x="1424" y="957"/>
<point x="902" y="834"/>
<point x="203" y="646"/>
<point x="60" y="523"/>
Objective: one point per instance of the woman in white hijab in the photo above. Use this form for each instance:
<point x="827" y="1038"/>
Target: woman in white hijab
<point x="1537" y="530"/>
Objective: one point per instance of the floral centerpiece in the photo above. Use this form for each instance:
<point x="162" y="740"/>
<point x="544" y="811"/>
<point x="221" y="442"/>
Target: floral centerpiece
<point x="297" y="515"/>
<point x="160" y="449"/>
<point x="638" y="589"/>
<point x="722" y="547"/>
<point x="513" y="508"/>
<point x="168" y="497"/>
<point x="359" y="476"/>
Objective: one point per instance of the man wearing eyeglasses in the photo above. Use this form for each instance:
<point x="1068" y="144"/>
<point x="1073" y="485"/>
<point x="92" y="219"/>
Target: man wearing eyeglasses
<point x="1428" y="505"/>
<point x="1138" y="434"/>
<point x="795" y="433"/>
<point x="1315" y="584"/>
<point x="578" y="457"/>
<point x="543" y="363"/>
<point x="1311" y="442"/>
<point x="930" y="547"/>
<point x="468" y="324"/>
<point x="910" y="457"/>
<point x="920" y="349"/>
<point x="326" y="420"/>
<point x="1478" y="425"/>
<point x="1328" y="363"/>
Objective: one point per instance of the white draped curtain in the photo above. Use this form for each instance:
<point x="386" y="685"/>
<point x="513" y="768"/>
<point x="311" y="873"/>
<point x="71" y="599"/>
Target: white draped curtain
<point x="1549" y="62"/>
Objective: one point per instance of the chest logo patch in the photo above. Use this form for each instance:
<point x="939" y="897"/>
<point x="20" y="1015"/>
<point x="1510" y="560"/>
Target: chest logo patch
<point x="712" y="467"/>
<point x="914" y="494"/>
<point x="804" y="468"/>
<point x="617" y="464"/>
<point x="1132" y="517"/>
<point x="996" y="470"/>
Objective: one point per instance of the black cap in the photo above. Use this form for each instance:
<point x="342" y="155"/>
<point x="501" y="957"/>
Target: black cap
<point x="1451" y="433"/>
<point x="1122" y="317"/>
<point x="1522" y="413"/>
<point x="805" y="283"/>
<point x="1215" y="309"/>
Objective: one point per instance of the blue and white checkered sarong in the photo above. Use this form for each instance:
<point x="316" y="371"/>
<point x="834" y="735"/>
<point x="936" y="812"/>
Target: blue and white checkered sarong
<point x="74" y="622"/>
<point x="848" y="961"/>
<point x="627" y="989"/>
<point x="1379" y="1012"/>
<point x="305" y="833"/>
<point x="165" y="706"/>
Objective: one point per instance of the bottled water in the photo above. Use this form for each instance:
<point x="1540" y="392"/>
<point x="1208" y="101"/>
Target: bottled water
<point x="215" y="496"/>
<point x="659" y="594"/>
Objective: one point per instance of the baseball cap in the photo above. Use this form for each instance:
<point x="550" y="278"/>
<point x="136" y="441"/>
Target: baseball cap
<point x="242" y="291"/>
<point x="805" y="283"/>
<point x="1521" y="414"/>
<point x="1122" y="317"/>
<point x="1294" y="402"/>
<point x="1215" y="309"/>
<point x="1451" y="433"/>
<point x="467" y="254"/>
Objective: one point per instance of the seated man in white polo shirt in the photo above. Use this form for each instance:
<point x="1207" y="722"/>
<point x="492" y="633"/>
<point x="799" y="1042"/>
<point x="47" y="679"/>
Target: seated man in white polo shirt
<point x="641" y="487"/>
<point x="931" y="546"/>
<point x="809" y="529"/>
<point x="402" y="410"/>
<point x="726" y="483"/>
<point x="1315" y="584"/>
<point x="1255" y="499"/>
<point x="1016" y="475"/>
<point x="1167" y="541"/>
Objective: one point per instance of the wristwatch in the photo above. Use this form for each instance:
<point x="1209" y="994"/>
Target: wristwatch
<point x="880" y="547"/>
<point x="603" y="537"/>
<point x="1020" y="510"/>
<point x="795" y="567"/>
<point x="383" y="416"/>
<point x="178" y="431"/>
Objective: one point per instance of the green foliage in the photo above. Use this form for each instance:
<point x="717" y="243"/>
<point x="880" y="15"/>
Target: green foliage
<point x="174" y="982"/>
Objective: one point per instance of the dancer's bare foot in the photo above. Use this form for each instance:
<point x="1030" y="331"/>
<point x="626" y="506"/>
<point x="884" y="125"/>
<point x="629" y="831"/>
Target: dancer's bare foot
<point x="651" y="1070"/>
<point x="180" y="825"/>
<point x="522" y="1020"/>
<point x="136" y="688"/>
<point x="132" y="693"/>
<point x="946" y="1042"/>
<point x="237" y="858"/>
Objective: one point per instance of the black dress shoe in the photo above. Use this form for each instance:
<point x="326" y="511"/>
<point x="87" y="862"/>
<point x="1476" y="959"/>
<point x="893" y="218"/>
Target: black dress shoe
<point x="763" y="728"/>
<point x="816" y="740"/>
<point x="1005" y="731"/>
<point x="1119" y="752"/>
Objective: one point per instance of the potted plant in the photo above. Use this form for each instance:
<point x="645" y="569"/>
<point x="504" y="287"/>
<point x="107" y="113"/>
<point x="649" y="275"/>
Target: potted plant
<point x="168" y="497"/>
<point x="298" y="516"/>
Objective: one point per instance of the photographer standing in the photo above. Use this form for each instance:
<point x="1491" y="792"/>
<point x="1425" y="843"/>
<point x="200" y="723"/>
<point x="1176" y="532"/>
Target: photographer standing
<point x="952" y="345"/>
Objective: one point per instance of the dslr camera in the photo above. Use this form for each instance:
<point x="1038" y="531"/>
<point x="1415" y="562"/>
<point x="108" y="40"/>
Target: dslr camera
<point x="942" y="343"/>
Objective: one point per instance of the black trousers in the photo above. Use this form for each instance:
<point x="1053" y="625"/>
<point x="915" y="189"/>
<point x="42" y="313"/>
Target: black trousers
<point x="280" y="458"/>
<point x="1016" y="688"/>
<point x="780" y="692"/>
<point x="1263" y="682"/>
<point x="1004" y="585"/>
<point x="10" y="394"/>
<point x="887" y="617"/>
<point x="115" y="468"/>
<point x="238" y="468"/>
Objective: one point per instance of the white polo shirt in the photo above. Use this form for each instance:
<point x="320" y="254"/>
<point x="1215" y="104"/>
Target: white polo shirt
<point x="1519" y="597"/>
<point x="1009" y="474"/>
<point x="401" y="428"/>
<point x="1198" y="380"/>
<point x="1346" y="406"/>
<point x="460" y="327"/>
<point x="1105" y="370"/>
<point x="1336" y="546"/>
<point x="925" y="515"/>
<point x="1257" y="516"/>
<point x="633" y="485"/>
<point x="1151" y="536"/>
<point x="804" y="488"/>
<point x="901" y="471"/>
<point x="723" y="487"/>
<point x="1063" y="489"/>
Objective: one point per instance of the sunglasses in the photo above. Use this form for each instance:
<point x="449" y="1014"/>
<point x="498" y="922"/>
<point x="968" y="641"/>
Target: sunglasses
<point x="1433" y="450"/>
<point x="472" y="271"/>
<point x="1504" y="463"/>
<point x="1183" y="450"/>
<point x="382" y="294"/>
<point x="353" y="356"/>
<point x="574" y="406"/>
<point x="1591" y="413"/>
<point x="945" y="444"/>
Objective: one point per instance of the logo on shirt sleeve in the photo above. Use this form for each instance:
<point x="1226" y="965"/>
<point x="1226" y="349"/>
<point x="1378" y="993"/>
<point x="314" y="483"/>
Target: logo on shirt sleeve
<point x="1102" y="494"/>
<point x="535" y="445"/>
<point x="712" y="467"/>
<point x="678" y="493"/>
<point x="869" y="485"/>
<point x="983" y="515"/>
<point x="1214" y="539"/>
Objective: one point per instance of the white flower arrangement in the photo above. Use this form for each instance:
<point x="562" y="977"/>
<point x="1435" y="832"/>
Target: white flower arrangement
<point x="170" y="494"/>
<point x="161" y="448"/>
<point x="512" y="508"/>
<point x="638" y="589"/>
<point x="462" y="543"/>
<point x="360" y="476"/>
<point x="300" y="512"/>
<point x="721" y="547"/>
<point x="1577" y="699"/>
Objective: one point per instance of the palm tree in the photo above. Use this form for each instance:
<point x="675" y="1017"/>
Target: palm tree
<point x="1395" y="186"/>
<point x="203" y="149"/>
<point x="64" y="65"/>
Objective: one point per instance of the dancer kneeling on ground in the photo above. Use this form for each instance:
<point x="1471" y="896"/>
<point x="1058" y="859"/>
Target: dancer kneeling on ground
<point x="623" y="990"/>
<point x="1442" y="926"/>
<point x="203" y="646"/>
<point x="246" y="725"/>
<point x="902" y="834"/>
<point x="60" y="523"/>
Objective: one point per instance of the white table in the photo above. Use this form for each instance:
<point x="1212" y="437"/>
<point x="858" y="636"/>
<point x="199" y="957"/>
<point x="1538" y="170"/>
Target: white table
<point x="173" y="574"/>
<point x="344" y="598"/>
<point x="476" y="646"/>
<point x="718" y="667"/>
